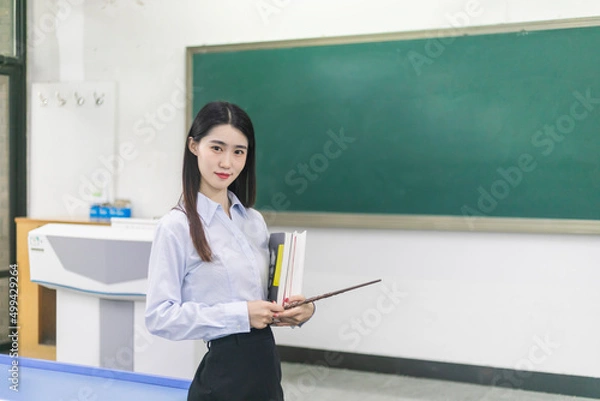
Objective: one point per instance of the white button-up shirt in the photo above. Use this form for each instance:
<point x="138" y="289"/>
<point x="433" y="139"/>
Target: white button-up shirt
<point x="190" y="299"/>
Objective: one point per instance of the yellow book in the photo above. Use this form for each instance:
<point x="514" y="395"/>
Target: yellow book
<point x="278" y="266"/>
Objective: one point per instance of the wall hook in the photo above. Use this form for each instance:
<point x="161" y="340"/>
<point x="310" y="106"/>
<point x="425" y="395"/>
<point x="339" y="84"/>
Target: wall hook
<point x="80" y="99"/>
<point x="43" y="99"/>
<point x="61" y="101"/>
<point x="99" y="99"/>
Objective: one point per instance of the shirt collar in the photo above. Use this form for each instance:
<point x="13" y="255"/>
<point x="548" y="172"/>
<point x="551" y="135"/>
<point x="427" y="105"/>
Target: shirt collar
<point x="207" y="207"/>
<point x="237" y="205"/>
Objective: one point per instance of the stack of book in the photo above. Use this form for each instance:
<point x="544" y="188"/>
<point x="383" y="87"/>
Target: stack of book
<point x="286" y="268"/>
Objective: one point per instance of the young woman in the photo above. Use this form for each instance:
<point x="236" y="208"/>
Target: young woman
<point x="209" y="265"/>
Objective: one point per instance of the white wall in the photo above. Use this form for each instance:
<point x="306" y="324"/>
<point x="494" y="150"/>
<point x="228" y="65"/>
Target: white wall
<point x="504" y="300"/>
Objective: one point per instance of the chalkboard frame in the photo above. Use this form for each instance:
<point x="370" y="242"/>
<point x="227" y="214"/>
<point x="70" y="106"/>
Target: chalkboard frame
<point x="407" y="222"/>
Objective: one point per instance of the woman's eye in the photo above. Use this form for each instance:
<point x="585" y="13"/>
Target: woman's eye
<point x="239" y="152"/>
<point x="217" y="148"/>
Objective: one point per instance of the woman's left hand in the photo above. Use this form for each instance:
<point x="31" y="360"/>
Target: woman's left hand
<point x="296" y="315"/>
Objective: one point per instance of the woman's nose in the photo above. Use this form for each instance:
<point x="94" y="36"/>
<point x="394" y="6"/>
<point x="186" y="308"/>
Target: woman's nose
<point x="225" y="160"/>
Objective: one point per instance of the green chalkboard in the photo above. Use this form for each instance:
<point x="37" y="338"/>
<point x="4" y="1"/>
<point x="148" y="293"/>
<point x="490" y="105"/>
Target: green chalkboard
<point x="499" y="125"/>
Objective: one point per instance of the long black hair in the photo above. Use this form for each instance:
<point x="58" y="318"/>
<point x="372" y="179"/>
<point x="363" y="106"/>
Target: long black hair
<point x="244" y="186"/>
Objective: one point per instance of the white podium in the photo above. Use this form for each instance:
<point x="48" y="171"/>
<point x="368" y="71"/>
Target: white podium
<point x="100" y="277"/>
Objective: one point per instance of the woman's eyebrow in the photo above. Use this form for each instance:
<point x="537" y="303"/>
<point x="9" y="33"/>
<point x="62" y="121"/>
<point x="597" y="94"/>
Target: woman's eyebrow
<point x="219" y="142"/>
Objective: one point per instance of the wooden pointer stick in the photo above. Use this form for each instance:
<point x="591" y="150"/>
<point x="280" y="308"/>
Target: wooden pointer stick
<point x="329" y="294"/>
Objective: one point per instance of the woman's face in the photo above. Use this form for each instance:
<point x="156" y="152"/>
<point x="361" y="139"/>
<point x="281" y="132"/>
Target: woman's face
<point x="221" y="158"/>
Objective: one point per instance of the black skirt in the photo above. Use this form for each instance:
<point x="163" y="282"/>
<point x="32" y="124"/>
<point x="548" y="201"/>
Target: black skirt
<point x="239" y="367"/>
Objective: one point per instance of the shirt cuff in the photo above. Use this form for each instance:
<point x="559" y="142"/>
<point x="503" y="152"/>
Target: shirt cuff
<point x="238" y="321"/>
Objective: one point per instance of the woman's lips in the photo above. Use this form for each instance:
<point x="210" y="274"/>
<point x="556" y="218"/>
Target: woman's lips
<point x="223" y="176"/>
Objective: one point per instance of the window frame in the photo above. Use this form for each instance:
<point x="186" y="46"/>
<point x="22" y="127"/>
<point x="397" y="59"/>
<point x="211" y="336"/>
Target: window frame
<point x="15" y="68"/>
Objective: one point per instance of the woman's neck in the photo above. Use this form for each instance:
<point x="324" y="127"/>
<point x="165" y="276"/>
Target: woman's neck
<point x="221" y="198"/>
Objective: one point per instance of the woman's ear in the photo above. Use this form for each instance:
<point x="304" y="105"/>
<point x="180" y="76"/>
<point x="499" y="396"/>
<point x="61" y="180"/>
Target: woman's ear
<point x="193" y="146"/>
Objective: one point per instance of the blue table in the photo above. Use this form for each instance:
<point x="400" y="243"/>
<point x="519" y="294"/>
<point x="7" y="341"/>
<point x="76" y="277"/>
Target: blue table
<point x="53" y="381"/>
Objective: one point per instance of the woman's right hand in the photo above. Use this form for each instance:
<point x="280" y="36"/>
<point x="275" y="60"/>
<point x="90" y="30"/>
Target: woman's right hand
<point x="263" y="313"/>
